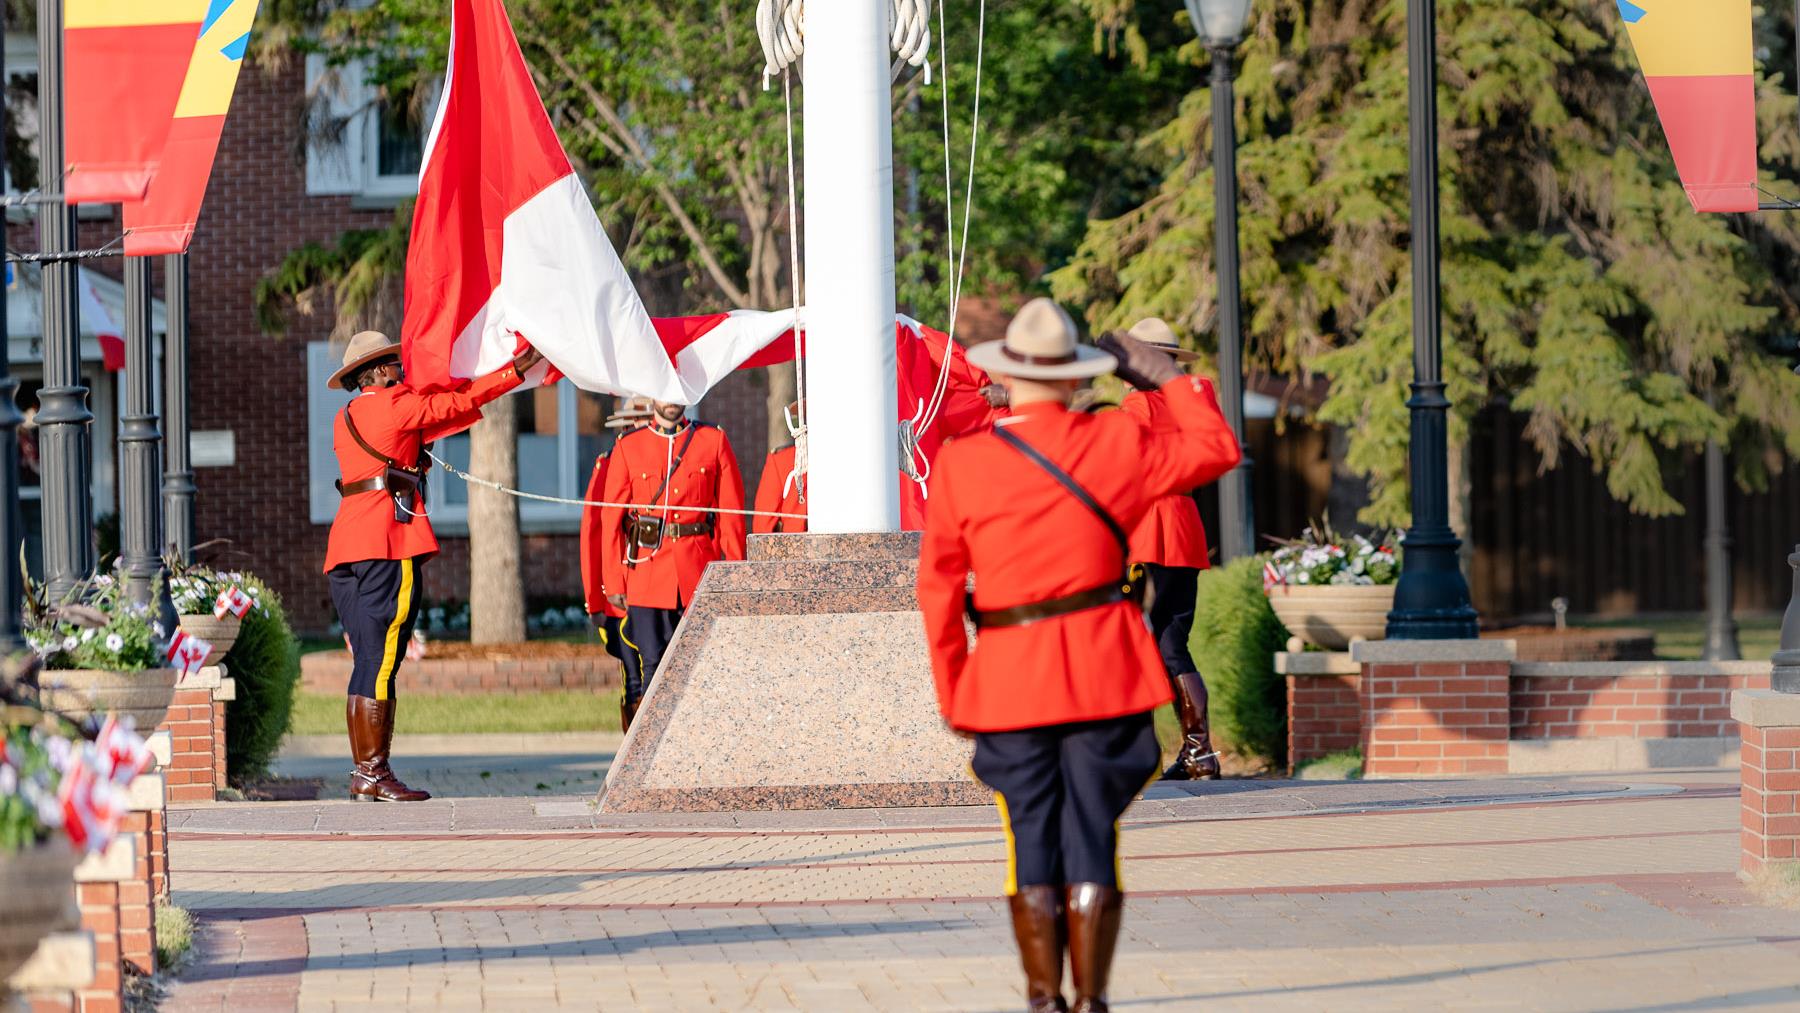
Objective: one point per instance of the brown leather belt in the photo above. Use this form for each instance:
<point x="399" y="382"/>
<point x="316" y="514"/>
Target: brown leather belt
<point x="348" y="489"/>
<point x="704" y="527"/>
<point x="1037" y="611"/>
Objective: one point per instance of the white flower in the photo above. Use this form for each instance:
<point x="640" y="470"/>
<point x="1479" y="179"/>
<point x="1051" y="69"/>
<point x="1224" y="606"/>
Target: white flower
<point x="1302" y="577"/>
<point x="9" y="780"/>
<point x="70" y="643"/>
<point x="156" y="627"/>
<point x="87" y="634"/>
<point x="114" y="642"/>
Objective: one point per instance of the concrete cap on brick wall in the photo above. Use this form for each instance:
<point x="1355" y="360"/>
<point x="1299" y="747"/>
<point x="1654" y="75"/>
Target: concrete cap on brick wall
<point x="226" y="690"/>
<point x="1407" y="652"/>
<point x="116" y="864"/>
<point x="1316" y="663"/>
<point x="64" y="961"/>
<point x="1765" y="708"/>
<point x="206" y="678"/>
<point x="145" y="793"/>
<point x="1655" y="669"/>
<point x="162" y="747"/>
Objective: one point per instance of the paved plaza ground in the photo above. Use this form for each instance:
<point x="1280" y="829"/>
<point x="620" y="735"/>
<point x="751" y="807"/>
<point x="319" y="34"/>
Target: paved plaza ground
<point x="1576" y="893"/>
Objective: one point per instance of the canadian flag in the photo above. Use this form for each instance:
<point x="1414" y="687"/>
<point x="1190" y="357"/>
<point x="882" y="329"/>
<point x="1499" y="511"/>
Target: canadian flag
<point x="232" y="600"/>
<point x="505" y="244"/>
<point x="187" y="653"/>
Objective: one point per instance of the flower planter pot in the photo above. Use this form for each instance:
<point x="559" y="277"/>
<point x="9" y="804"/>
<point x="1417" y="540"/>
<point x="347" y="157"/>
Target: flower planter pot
<point x="1331" y="615"/>
<point x="220" y="633"/>
<point x="39" y="886"/>
<point x="80" y="693"/>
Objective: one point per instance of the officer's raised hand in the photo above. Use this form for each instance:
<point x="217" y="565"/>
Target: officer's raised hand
<point x="1141" y="364"/>
<point x="527" y="358"/>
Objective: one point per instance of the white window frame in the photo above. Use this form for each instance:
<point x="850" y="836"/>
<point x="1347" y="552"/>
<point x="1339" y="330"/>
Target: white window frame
<point x="21" y="60"/>
<point x="353" y="168"/>
<point x="447" y="518"/>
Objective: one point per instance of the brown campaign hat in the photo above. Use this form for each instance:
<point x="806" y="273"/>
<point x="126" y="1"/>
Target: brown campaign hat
<point x="630" y="410"/>
<point x="1041" y="344"/>
<point x="364" y="348"/>
<point x="1153" y="331"/>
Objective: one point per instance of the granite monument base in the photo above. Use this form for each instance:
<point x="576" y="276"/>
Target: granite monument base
<point x="799" y="679"/>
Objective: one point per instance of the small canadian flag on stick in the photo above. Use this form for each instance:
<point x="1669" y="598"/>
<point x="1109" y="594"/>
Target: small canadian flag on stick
<point x="187" y="653"/>
<point x="232" y="600"/>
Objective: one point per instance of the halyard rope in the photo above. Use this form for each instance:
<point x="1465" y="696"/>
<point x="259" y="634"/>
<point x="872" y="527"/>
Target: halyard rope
<point x="522" y="494"/>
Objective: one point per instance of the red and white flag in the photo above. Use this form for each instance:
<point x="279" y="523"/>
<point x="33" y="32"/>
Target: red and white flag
<point x="232" y="600"/>
<point x="187" y="653"/>
<point x="505" y="243"/>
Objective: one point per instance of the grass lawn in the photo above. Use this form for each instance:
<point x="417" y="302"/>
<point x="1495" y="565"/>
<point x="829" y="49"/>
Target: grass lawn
<point x="1680" y="637"/>
<point x="453" y="714"/>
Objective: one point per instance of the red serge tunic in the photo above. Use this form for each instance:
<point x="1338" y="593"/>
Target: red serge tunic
<point x="395" y="421"/>
<point x="775" y="495"/>
<point x="1171" y="533"/>
<point x="707" y="476"/>
<point x="593" y="588"/>
<point x="1026" y="539"/>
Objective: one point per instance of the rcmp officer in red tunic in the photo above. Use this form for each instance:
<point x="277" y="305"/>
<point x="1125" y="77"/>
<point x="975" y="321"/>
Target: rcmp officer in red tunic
<point x="608" y="619"/>
<point x="654" y="554"/>
<point x="382" y="534"/>
<point x="1170" y="544"/>
<point x="1059" y="686"/>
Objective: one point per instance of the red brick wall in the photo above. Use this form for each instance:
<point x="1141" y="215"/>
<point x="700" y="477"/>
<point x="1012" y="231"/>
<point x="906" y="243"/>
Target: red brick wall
<point x="137" y="899"/>
<point x="100" y="915"/>
<point x="1434" y="718"/>
<point x="1771" y="796"/>
<point x="196" y="727"/>
<point x="1629" y="706"/>
<point x="1324" y="715"/>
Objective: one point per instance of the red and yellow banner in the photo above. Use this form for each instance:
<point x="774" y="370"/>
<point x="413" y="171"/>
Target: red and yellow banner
<point x="1696" y="58"/>
<point x="163" y="222"/>
<point x="124" y="62"/>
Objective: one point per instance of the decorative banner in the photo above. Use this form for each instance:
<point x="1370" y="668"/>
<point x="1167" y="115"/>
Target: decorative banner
<point x="124" y="63"/>
<point x="187" y="653"/>
<point x="163" y="222"/>
<point x="1696" y="58"/>
<point x="232" y="600"/>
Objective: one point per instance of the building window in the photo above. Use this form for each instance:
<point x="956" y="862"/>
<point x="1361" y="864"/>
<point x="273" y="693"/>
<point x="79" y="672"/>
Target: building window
<point x="561" y="432"/>
<point x="359" y="143"/>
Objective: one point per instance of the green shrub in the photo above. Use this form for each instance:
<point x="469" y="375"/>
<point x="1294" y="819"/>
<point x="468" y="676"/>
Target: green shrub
<point x="265" y="661"/>
<point x="1235" y="639"/>
<point x="1345" y="765"/>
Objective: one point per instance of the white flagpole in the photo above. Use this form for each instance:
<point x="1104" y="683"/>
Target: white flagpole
<point x="852" y="433"/>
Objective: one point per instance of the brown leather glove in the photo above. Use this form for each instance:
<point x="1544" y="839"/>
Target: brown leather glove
<point x="995" y="395"/>
<point x="1142" y="365"/>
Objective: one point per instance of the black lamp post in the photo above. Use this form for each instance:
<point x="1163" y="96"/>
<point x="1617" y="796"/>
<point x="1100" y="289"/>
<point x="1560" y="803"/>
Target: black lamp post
<point x="65" y="450"/>
<point x="140" y="493"/>
<point x="1432" y="599"/>
<point x="178" y="473"/>
<point x="1220" y="24"/>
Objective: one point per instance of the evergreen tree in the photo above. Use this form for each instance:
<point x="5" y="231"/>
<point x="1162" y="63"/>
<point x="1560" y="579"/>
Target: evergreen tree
<point x="1578" y="285"/>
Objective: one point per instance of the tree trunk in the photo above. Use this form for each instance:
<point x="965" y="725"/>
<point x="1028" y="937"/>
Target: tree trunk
<point x="496" y="585"/>
<point x="781" y="394"/>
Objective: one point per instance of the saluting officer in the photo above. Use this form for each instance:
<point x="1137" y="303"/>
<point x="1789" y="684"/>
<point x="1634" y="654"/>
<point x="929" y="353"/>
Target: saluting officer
<point x="608" y="619"/>
<point x="1060" y="684"/>
<point x="1170" y="544"/>
<point x="382" y="534"/>
<point x="655" y="552"/>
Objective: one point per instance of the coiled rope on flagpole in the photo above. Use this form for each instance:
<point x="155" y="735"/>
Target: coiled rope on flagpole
<point x="781" y="26"/>
<point x="539" y="497"/>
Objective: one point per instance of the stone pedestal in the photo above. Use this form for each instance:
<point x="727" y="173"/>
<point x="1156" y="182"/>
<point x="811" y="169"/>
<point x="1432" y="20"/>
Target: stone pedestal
<point x="1434" y="708"/>
<point x="799" y="679"/>
<point x="1770" y="771"/>
<point x="195" y="769"/>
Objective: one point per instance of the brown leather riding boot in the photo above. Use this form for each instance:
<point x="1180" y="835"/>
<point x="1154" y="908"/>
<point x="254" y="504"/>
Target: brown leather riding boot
<point x="371" y="739"/>
<point x="1094" y="912"/>
<point x="1038" y="925"/>
<point x="1195" y="760"/>
<point x="627" y="713"/>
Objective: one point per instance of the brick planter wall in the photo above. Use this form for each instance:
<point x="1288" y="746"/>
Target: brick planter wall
<point x="1323" y="704"/>
<point x="1770" y="775"/>
<point x="329" y="672"/>
<point x="195" y="770"/>
<point x="1433" y="708"/>
<point x="1644" y="700"/>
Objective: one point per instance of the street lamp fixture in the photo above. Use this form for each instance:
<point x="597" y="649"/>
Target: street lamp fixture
<point x="1220" y="24"/>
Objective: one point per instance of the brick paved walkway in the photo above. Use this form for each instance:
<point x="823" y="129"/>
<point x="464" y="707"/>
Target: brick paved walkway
<point x="1541" y="893"/>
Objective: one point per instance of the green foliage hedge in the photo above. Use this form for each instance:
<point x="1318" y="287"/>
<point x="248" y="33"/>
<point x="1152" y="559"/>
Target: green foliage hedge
<point x="1235" y="639"/>
<point x="265" y="661"/>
